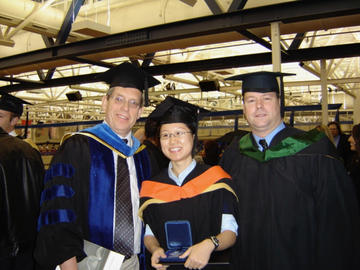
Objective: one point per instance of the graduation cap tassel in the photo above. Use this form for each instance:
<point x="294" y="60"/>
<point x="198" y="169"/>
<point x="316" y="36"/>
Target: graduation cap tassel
<point x="26" y="124"/>
<point x="282" y="98"/>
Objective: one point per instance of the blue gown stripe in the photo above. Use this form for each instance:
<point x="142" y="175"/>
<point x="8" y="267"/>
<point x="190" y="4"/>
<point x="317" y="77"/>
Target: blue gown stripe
<point x="56" y="216"/>
<point x="56" y="191"/>
<point x="143" y="170"/>
<point x="101" y="195"/>
<point x="59" y="169"/>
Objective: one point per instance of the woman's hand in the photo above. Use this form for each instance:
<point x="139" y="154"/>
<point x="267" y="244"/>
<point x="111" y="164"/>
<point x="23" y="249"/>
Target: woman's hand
<point x="155" y="258"/>
<point x="153" y="246"/>
<point x="198" y="255"/>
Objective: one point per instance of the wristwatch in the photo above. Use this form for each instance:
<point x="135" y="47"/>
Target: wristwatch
<point x="215" y="241"/>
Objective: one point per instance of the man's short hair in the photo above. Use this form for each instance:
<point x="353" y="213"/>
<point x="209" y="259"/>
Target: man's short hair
<point x="337" y="126"/>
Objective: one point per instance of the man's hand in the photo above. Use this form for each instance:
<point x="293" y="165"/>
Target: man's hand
<point x="70" y="264"/>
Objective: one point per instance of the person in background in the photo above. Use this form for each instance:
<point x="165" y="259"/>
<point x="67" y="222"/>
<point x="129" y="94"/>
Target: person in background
<point x="157" y="159"/>
<point x="327" y="132"/>
<point x="341" y="141"/>
<point x="21" y="183"/>
<point x="211" y="152"/>
<point x="187" y="191"/>
<point x="11" y="109"/>
<point x="297" y="205"/>
<point x="92" y="186"/>
<point x="140" y="134"/>
<point x="354" y="165"/>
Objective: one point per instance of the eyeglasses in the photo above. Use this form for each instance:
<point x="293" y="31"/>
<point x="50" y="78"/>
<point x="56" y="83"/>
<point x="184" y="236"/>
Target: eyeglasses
<point x="120" y="100"/>
<point x="178" y="134"/>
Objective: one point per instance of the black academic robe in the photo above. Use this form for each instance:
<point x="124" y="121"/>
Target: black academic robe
<point x="78" y="199"/>
<point x="343" y="149"/>
<point x="21" y="178"/>
<point x="354" y="172"/>
<point x="201" y="205"/>
<point x="297" y="204"/>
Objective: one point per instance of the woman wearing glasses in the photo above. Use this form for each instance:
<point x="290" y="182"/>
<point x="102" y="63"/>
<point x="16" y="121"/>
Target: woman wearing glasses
<point x="186" y="195"/>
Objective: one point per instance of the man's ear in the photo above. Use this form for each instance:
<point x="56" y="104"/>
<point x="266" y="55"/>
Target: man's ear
<point x="140" y="112"/>
<point x="104" y="102"/>
<point x="14" y="120"/>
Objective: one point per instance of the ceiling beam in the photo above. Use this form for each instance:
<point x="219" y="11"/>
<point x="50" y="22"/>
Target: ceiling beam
<point x="295" y="44"/>
<point x="290" y="12"/>
<point x="310" y="54"/>
<point x="213" y="6"/>
<point x="65" y="29"/>
<point x="236" y="5"/>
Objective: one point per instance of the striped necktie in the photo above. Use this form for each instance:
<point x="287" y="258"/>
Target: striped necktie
<point x="263" y="144"/>
<point x="124" y="226"/>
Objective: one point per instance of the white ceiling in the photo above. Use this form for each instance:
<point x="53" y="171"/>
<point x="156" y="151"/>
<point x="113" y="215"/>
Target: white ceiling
<point x="22" y="22"/>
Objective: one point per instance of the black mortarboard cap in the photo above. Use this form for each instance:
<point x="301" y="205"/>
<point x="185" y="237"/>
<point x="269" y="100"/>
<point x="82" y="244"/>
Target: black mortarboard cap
<point x="128" y="75"/>
<point x="173" y="110"/>
<point x="11" y="103"/>
<point x="262" y="81"/>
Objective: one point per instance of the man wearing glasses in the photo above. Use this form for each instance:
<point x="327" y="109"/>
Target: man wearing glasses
<point x="92" y="186"/>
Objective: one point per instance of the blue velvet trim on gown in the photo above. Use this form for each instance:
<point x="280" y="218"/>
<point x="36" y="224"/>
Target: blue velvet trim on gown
<point x="101" y="195"/>
<point x="59" y="169"/>
<point x="102" y="181"/>
<point x="143" y="170"/>
<point x="56" y="216"/>
<point x="57" y="191"/>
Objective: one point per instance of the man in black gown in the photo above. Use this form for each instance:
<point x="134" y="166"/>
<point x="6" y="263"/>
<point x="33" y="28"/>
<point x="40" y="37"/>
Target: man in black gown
<point x="21" y="177"/>
<point x="94" y="175"/>
<point x="11" y="109"/>
<point x="297" y="205"/>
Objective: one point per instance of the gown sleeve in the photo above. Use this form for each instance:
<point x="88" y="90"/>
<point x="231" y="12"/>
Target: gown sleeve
<point x="336" y="210"/>
<point x="61" y="227"/>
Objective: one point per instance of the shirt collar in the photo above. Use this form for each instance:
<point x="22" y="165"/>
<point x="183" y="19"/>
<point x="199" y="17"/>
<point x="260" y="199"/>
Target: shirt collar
<point x="180" y="179"/>
<point x="13" y="133"/>
<point x="268" y="138"/>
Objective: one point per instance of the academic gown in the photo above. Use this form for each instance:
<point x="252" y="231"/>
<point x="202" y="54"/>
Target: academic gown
<point x="21" y="177"/>
<point x="354" y="172"/>
<point x="78" y="199"/>
<point x="204" y="196"/>
<point x="297" y="205"/>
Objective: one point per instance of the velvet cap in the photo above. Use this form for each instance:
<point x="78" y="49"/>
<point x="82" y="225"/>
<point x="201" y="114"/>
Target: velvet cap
<point x="128" y="75"/>
<point x="262" y="81"/>
<point x="11" y="103"/>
